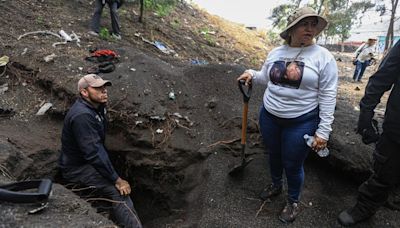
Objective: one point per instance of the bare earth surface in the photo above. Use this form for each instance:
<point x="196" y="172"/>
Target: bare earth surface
<point x="176" y="152"/>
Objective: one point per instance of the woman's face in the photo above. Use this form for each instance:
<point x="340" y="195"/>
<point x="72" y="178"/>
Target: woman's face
<point x="304" y="32"/>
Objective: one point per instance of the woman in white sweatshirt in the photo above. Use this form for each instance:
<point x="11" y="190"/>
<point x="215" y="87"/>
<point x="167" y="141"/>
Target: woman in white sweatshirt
<point x="362" y="58"/>
<point x="299" y="99"/>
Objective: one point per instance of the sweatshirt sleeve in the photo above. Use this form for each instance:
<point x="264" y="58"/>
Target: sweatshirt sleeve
<point x="260" y="77"/>
<point x="327" y="91"/>
<point x="90" y="143"/>
<point x="382" y="80"/>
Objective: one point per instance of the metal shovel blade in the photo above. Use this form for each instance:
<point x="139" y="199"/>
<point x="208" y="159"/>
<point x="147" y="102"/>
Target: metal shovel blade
<point x="239" y="168"/>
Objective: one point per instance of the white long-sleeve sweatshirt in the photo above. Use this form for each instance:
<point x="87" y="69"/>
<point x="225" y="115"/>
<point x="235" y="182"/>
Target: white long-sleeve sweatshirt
<point x="296" y="90"/>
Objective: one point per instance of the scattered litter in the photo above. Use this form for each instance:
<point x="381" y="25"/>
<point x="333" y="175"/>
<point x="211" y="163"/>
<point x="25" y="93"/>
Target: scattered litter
<point x="138" y="122"/>
<point x="207" y="32"/>
<point x="163" y="48"/>
<point x="3" y="88"/>
<point x="4" y="60"/>
<point x="68" y="38"/>
<point x="347" y="133"/>
<point x="356" y="108"/>
<point x="46" y="32"/>
<point x="191" y="123"/>
<point x="44" y="109"/>
<point x="177" y="115"/>
<point x="159" y="131"/>
<point x="157" y="118"/>
<point x="80" y="68"/>
<point x="171" y="96"/>
<point x="39" y="209"/>
<point x="62" y="35"/>
<point x="238" y="59"/>
<point x="132" y="69"/>
<point x="310" y="204"/>
<point x="65" y="35"/>
<point x="24" y="51"/>
<point x="198" y="62"/>
<point x="49" y="58"/>
<point x="146" y="91"/>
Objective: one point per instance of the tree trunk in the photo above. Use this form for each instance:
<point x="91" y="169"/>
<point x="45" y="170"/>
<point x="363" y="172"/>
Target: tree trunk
<point x="389" y="35"/>
<point x="141" y="11"/>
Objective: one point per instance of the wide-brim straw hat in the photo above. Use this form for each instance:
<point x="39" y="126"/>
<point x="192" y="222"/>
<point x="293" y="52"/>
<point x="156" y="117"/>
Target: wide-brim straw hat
<point x="300" y="14"/>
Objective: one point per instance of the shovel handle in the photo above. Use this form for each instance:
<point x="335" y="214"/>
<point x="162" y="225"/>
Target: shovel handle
<point x="246" y="93"/>
<point x="246" y="98"/>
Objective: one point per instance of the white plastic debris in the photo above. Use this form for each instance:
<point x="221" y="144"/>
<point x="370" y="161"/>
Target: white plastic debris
<point x="44" y="109"/>
<point x="171" y="95"/>
<point x="159" y="131"/>
<point x="65" y="35"/>
<point x="49" y="58"/>
<point x="3" y="88"/>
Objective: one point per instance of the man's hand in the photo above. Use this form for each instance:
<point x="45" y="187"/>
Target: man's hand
<point x="366" y="128"/>
<point x="123" y="186"/>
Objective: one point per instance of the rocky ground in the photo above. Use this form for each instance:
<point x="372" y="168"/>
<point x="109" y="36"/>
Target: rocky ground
<point x="176" y="151"/>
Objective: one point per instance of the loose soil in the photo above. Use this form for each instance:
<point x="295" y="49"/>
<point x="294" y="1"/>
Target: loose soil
<point x="176" y="152"/>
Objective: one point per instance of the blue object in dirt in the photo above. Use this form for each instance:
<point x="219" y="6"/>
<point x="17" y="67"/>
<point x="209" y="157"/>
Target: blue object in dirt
<point x="198" y="62"/>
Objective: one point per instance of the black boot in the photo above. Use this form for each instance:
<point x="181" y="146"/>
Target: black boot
<point x="354" y="215"/>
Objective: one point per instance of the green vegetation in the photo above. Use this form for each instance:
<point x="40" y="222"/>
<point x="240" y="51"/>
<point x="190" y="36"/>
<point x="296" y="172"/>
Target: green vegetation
<point x="161" y="7"/>
<point x="104" y="34"/>
<point x="176" y="24"/>
<point x="40" y="20"/>
<point x="207" y="34"/>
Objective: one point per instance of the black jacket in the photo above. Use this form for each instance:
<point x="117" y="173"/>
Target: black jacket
<point x="83" y="138"/>
<point x="387" y="77"/>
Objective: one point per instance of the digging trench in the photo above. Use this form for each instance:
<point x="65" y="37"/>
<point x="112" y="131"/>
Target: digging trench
<point x="160" y="174"/>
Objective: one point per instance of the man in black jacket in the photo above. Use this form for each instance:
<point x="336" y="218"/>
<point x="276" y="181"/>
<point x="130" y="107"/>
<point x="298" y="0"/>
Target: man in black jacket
<point x="84" y="159"/>
<point x="374" y="192"/>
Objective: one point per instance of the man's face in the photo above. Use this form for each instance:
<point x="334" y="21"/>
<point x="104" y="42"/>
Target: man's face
<point x="96" y="95"/>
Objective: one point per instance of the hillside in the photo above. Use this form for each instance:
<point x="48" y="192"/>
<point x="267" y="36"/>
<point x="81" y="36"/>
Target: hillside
<point x="176" y="152"/>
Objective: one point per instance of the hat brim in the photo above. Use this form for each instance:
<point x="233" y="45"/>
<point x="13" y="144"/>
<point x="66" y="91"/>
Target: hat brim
<point x="101" y="83"/>
<point x="322" y="23"/>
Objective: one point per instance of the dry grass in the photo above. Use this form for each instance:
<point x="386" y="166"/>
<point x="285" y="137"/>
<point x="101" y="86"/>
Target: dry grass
<point x="252" y="42"/>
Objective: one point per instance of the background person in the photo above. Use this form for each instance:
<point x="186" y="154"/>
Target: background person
<point x="296" y="105"/>
<point x="363" y="57"/>
<point x="84" y="159"/>
<point x="95" y="25"/>
<point x="374" y="192"/>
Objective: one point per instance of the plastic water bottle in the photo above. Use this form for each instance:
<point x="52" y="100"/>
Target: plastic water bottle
<point x="309" y="141"/>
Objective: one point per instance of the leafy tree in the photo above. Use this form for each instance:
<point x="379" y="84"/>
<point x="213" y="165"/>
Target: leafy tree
<point x="341" y="14"/>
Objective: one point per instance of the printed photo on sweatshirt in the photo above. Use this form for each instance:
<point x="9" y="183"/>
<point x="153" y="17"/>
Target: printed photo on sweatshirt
<point x="287" y="74"/>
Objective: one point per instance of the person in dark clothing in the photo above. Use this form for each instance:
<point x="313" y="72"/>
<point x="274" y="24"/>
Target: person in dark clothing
<point x="374" y="192"/>
<point x="95" y="25"/>
<point x="84" y="159"/>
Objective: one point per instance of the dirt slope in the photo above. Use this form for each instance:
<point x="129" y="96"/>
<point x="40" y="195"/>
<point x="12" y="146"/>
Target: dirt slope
<point x="179" y="174"/>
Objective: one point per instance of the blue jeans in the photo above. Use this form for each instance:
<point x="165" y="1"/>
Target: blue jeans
<point x="359" y="71"/>
<point x="283" y="138"/>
